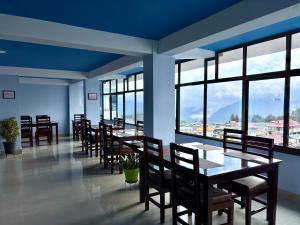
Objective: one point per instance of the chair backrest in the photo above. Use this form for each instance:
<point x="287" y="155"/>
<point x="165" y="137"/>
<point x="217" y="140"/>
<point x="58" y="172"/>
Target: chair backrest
<point x="259" y="146"/>
<point x="139" y="125"/>
<point x="185" y="174"/>
<point x="78" y="117"/>
<point x="102" y="133"/>
<point x="233" y="139"/>
<point x="88" y="131"/>
<point x="154" y="167"/>
<point x="83" y="129"/>
<point x="43" y="122"/>
<point x="108" y="136"/>
<point x="119" y="122"/>
<point x="26" y="122"/>
<point x="101" y="118"/>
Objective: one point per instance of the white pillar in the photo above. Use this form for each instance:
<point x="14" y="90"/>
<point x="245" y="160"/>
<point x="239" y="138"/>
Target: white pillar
<point x="159" y="97"/>
<point x="92" y="107"/>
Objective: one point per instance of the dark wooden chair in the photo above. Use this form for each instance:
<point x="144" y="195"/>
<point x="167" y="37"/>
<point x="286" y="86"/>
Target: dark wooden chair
<point x="233" y="139"/>
<point x="187" y="189"/>
<point x="156" y="176"/>
<point x="77" y="122"/>
<point x="102" y="130"/>
<point x="113" y="150"/>
<point x="139" y="125"/>
<point x="83" y="135"/>
<point x="101" y="118"/>
<point x="26" y="129"/>
<point x="119" y="122"/>
<point x="43" y="129"/>
<point x="249" y="188"/>
<point x="89" y="139"/>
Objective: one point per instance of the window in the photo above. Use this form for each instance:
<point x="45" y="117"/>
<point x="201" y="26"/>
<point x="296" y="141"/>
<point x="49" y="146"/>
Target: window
<point x="120" y="106"/>
<point x="231" y="63"/>
<point x="131" y="85"/>
<point x="211" y="69"/>
<point x="113" y="86"/>
<point x="113" y="106"/>
<point x="224" y="107"/>
<point x="140" y="106"/>
<point x="265" y="57"/>
<point x="120" y="85"/>
<point x="106" y="107"/>
<point x="266" y="101"/>
<point x="176" y="73"/>
<point x="129" y="108"/>
<point x="191" y="109"/>
<point x="106" y="87"/>
<point x="295" y="54"/>
<point x="294" y="121"/>
<point x="192" y="71"/>
<point x="139" y="81"/>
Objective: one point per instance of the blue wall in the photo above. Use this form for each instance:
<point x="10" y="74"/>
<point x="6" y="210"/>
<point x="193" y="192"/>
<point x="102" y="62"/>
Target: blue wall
<point x="289" y="177"/>
<point x="52" y="100"/>
<point x="76" y="101"/>
<point x="10" y="107"/>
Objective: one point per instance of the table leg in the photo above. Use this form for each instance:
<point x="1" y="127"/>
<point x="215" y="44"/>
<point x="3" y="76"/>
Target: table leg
<point x="207" y="204"/>
<point x="96" y="144"/>
<point x="73" y="126"/>
<point x="272" y="195"/>
<point x="142" y="179"/>
<point x="56" y="130"/>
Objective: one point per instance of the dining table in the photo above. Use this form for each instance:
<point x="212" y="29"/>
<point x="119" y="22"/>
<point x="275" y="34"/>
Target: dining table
<point x="218" y="165"/>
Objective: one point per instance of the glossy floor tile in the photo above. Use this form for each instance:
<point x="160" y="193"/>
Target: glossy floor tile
<point x="58" y="185"/>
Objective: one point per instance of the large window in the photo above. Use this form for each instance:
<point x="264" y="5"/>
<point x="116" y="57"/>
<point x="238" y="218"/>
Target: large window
<point x="254" y="87"/>
<point x="127" y="91"/>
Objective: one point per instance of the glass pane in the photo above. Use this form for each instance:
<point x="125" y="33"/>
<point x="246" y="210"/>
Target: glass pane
<point x="120" y="85"/>
<point x="294" y="137"/>
<point x="224" y="107"/>
<point x="129" y="110"/>
<point x="113" y="106"/>
<point x="140" y="81"/>
<point x="295" y="57"/>
<point x="106" y="107"/>
<point x="266" y="99"/>
<point x="192" y="71"/>
<point x="140" y="106"/>
<point x="211" y="69"/>
<point x="126" y="84"/>
<point x="106" y="88"/>
<point x="191" y="109"/>
<point x="268" y="56"/>
<point x="113" y="84"/>
<point x="131" y="83"/>
<point x="120" y="106"/>
<point x="176" y="74"/>
<point x="231" y="63"/>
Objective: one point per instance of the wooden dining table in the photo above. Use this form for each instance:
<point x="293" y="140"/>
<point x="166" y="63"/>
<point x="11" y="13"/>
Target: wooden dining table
<point x="220" y="166"/>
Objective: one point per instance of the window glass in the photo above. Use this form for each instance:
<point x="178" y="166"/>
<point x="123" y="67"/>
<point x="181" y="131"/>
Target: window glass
<point x="224" y="107"/>
<point x="211" y="69"/>
<point x="106" y="87"/>
<point x="140" y="106"/>
<point x="139" y="81"/>
<point x="113" y="106"/>
<point x="106" y="107"/>
<point x="191" y="109"/>
<point x="294" y="123"/>
<point x="176" y="74"/>
<point x="113" y="84"/>
<point x="120" y="85"/>
<point x="120" y="106"/>
<point x="192" y="71"/>
<point x="126" y="84"/>
<point x="266" y="99"/>
<point x="129" y="108"/>
<point x="265" y="57"/>
<point x="231" y="63"/>
<point x="295" y="54"/>
<point x="131" y="85"/>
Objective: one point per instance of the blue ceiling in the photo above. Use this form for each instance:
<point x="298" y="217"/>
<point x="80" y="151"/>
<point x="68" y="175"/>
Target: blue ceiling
<point x="152" y="19"/>
<point x="50" y="57"/>
<point x="267" y="31"/>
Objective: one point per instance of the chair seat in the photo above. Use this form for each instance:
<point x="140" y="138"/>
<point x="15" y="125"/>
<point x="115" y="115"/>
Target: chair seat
<point x="246" y="184"/>
<point x="167" y="182"/>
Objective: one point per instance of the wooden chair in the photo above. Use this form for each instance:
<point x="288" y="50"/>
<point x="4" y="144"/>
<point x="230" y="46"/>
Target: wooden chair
<point x="77" y="122"/>
<point x="101" y="118"/>
<point x="89" y="139"/>
<point x="249" y="188"/>
<point x="119" y="122"/>
<point x="113" y="150"/>
<point x="26" y="129"/>
<point x="139" y="125"/>
<point x="102" y="130"/>
<point x="43" y="129"/>
<point x="156" y="176"/>
<point x="187" y="189"/>
<point x="83" y="135"/>
<point x="233" y="139"/>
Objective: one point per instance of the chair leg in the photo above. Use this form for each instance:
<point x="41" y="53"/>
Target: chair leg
<point x="147" y="198"/>
<point x="248" y="211"/>
<point x="197" y="218"/>
<point x="174" y="213"/>
<point x="162" y="208"/>
<point x="112" y="169"/>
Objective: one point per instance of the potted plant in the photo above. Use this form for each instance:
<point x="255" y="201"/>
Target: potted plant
<point x="130" y="165"/>
<point x="9" y="130"/>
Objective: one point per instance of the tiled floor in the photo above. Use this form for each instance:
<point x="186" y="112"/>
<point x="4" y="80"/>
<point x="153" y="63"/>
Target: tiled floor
<point x="58" y="185"/>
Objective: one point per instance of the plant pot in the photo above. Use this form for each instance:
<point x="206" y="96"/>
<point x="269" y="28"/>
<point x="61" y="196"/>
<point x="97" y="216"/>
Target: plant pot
<point x="131" y="175"/>
<point x="9" y="148"/>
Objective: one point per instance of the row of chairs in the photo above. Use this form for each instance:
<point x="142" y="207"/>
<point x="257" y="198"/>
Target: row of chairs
<point x="43" y="129"/>
<point x="185" y="187"/>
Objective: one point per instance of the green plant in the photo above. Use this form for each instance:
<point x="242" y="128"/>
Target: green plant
<point x="129" y="162"/>
<point x="9" y="129"/>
